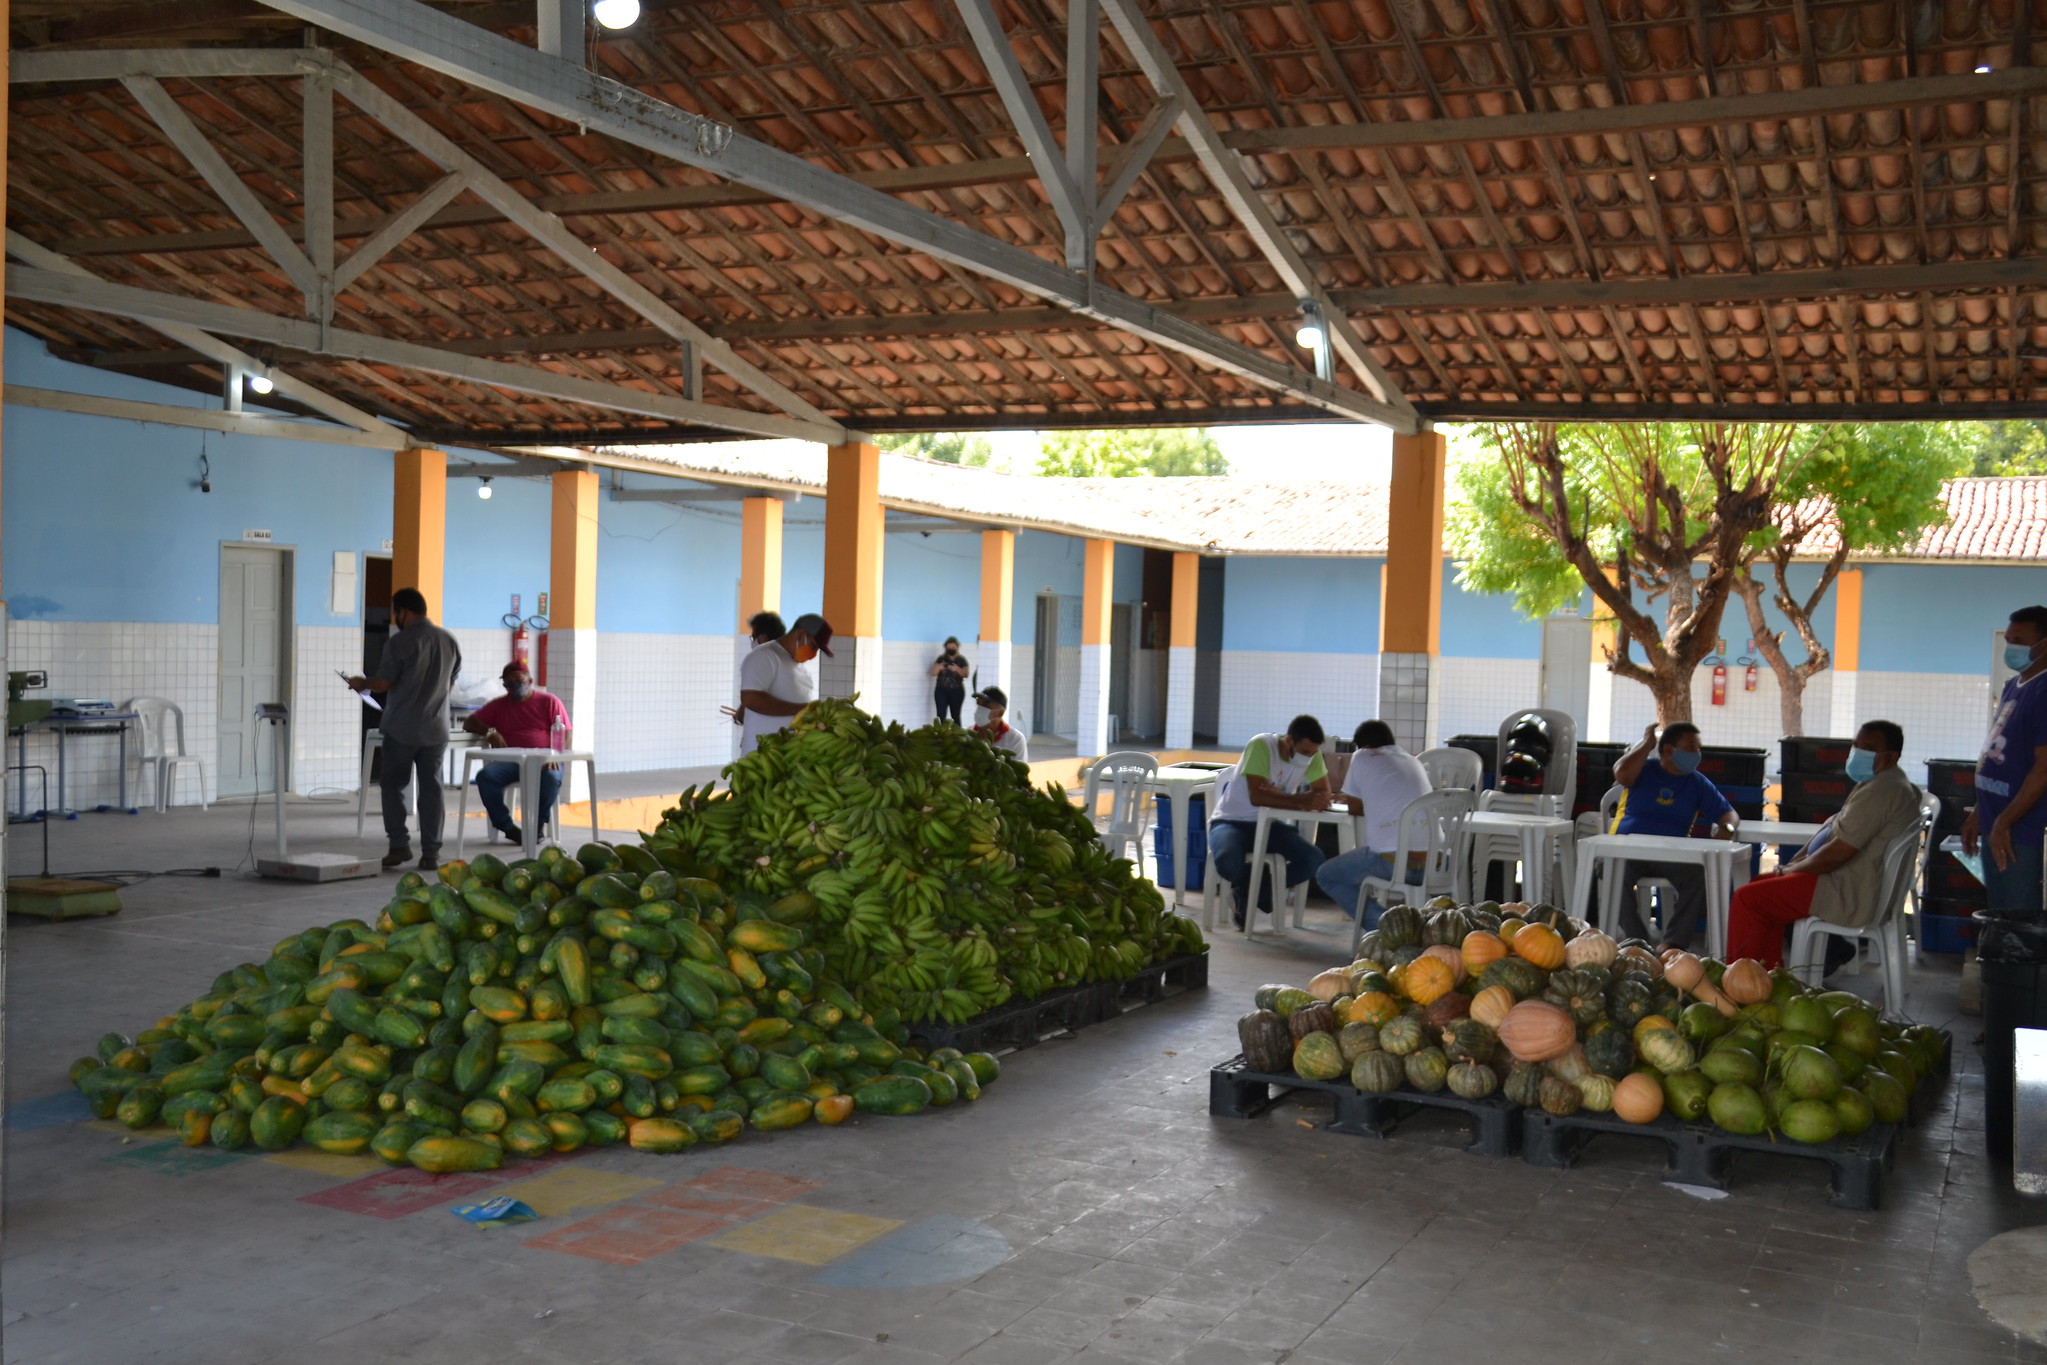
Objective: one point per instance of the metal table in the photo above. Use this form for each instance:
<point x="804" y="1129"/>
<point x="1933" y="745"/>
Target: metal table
<point x="1266" y="816"/>
<point x="1724" y="862"/>
<point x="1536" y="833"/>
<point x="530" y="762"/>
<point x="98" y="723"/>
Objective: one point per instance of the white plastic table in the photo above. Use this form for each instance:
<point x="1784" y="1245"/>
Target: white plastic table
<point x="1266" y="816"/>
<point x="1181" y="785"/>
<point x="1794" y="832"/>
<point x="1536" y="833"/>
<point x="530" y="762"/>
<point x="1724" y="863"/>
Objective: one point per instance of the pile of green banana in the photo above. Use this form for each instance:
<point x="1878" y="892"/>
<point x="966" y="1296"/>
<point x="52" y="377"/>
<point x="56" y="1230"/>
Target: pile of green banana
<point x="946" y="883"/>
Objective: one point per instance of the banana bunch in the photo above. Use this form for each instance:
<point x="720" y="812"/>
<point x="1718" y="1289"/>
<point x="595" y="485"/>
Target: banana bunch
<point x="945" y="884"/>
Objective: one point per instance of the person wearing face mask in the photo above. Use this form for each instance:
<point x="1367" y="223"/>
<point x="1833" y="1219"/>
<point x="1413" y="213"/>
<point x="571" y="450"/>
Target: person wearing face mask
<point x="1666" y="794"/>
<point x="1285" y="772"/>
<point x="2011" y="775"/>
<point x="1838" y="875"/>
<point x="415" y="674"/>
<point x="773" y="682"/>
<point x="950" y="668"/>
<point x="761" y="627"/>
<point x="991" y="722"/>
<point x="521" y="719"/>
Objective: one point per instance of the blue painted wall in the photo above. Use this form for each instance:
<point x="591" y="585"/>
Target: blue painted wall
<point x="931" y="586"/>
<point x="1044" y="563"/>
<point x="803" y="567"/>
<point x="496" y="547"/>
<point x="1479" y="627"/>
<point x="664" y="569"/>
<point x="104" y="520"/>
<point x="1934" y="618"/>
<point x="1323" y="606"/>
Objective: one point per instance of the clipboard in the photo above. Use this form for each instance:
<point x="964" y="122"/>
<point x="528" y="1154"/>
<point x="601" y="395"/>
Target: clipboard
<point x="367" y="699"/>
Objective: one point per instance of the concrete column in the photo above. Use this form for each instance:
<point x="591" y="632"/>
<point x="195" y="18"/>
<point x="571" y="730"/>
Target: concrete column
<point x="1180" y="647"/>
<point x="852" y="574"/>
<point x="1599" y="694"/>
<point x="1845" y="712"/>
<point x="1097" y="595"/>
<point x="572" y="617"/>
<point x="419" y="524"/>
<point x="760" y="576"/>
<point x="995" y="667"/>
<point x="1411" y="601"/>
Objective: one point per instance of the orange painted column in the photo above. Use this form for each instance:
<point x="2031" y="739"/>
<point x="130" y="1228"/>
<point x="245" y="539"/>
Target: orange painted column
<point x="419" y="524"/>
<point x="1843" y="712"/>
<point x="998" y="616"/>
<point x="1180" y="651"/>
<point x="760" y="558"/>
<point x="1097" y="599"/>
<point x="852" y="573"/>
<point x="1411" y="606"/>
<point x="572" y="614"/>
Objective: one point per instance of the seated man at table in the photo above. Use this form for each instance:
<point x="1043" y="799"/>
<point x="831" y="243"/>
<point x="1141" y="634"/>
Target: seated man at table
<point x="1282" y="772"/>
<point x="521" y="719"/>
<point x="1668" y="795"/>
<point x="1838" y="875"/>
<point x="1382" y="781"/>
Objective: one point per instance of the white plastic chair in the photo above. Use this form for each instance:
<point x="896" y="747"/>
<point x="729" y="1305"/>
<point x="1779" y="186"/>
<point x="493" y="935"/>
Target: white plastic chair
<point x="372" y="741"/>
<point x="163" y="748"/>
<point x="1449" y="768"/>
<point x="1929" y="810"/>
<point x="1560" y="779"/>
<point x="1219" y="898"/>
<point x="1431" y="829"/>
<point x="1884" y="935"/>
<point x="1130" y="777"/>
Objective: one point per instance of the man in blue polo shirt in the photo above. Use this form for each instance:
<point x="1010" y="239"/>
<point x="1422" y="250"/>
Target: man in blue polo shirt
<point x="1668" y="795"/>
<point x="2011" y="776"/>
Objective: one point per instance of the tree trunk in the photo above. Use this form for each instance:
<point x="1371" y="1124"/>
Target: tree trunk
<point x="1673" y="693"/>
<point x="1791" y="701"/>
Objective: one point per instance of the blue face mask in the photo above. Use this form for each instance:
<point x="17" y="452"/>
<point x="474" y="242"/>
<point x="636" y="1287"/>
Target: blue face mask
<point x="1861" y="765"/>
<point x="2018" y="658"/>
<point x="1685" y="762"/>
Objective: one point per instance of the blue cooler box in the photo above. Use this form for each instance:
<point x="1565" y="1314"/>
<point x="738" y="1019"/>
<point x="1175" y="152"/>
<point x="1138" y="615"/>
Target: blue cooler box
<point x="1197" y="844"/>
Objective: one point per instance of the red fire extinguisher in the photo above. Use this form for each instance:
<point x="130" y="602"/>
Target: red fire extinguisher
<point x="521" y="641"/>
<point x="1720" y="684"/>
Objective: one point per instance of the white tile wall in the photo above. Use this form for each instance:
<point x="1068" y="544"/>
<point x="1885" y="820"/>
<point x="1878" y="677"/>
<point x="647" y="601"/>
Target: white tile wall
<point x="1263" y="689"/>
<point x="658" y="698"/>
<point x="1474" y="695"/>
<point x="1944" y="714"/>
<point x="1091" y="700"/>
<point x="1748" y="719"/>
<point x="906" y="690"/>
<point x="1407" y="698"/>
<point x="485" y="652"/>
<point x="1179" y="727"/>
<point x="326" y="718"/>
<point x="1063" y="710"/>
<point x="1023" y="677"/>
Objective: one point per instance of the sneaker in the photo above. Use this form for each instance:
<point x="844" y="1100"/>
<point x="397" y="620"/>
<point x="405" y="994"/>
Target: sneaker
<point x="397" y="857"/>
<point x="512" y="832"/>
<point x="429" y="863"/>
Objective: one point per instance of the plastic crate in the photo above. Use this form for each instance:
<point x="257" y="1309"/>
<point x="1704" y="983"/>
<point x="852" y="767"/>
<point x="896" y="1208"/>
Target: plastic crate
<point x="1953" y="780"/>
<point x="1197" y="844"/>
<point x="1948" y="880"/>
<point x="1807" y="812"/>
<point x="1810" y="788"/>
<point x="1952" y="934"/>
<point x="1732" y="767"/>
<point x="1812" y="754"/>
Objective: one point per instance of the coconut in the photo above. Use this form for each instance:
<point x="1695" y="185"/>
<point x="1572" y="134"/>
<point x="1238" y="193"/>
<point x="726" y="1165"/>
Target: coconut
<point x="1856" y="1029"/>
<point x="1808" y="1015"/>
<point x="1737" y="1108"/>
<point x="1809" y="1073"/>
<point x="1724" y="1064"/>
<point x="1811" y="1121"/>
<point x="1886" y="1097"/>
<point x="1852" y="1107"/>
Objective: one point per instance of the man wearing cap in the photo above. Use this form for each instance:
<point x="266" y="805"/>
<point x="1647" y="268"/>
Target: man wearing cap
<point x="991" y="707"/>
<point x="773" y="682"/>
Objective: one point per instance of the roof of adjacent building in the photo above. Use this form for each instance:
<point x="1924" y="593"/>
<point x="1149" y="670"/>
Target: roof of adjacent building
<point x="1988" y="518"/>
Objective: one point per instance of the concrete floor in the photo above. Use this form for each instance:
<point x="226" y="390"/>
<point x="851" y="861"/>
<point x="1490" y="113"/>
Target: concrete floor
<point x="1087" y="1209"/>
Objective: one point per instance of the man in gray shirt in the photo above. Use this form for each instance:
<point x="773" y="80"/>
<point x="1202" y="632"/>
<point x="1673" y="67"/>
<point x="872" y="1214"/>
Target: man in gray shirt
<point x="415" y="675"/>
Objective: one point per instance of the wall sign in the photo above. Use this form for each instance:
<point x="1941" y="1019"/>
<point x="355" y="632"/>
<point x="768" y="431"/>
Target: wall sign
<point x="253" y="534"/>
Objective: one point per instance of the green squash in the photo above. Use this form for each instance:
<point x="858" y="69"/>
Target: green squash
<point x="1629" y="999"/>
<point x="1596" y="1092"/>
<point x="1355" y="1040"/>
<point x="1371" y="948"/>
<point x="1559" y="1098"/>
<point x="1580" y="994"/>
<point x="1265" y="995"/>
<point x="1289" y="999"/>
<point x="1427" y="1070"/>
<point x="1523" y="1085"/>
<point x="1403" y="1035"/>
<point x="1401" y="927"/>
<point x="1445" y="928"/>
<point x="1267" y="1045"/>
<point x="1318" y="1058"/>
<point x="1666" y="1050"/>
<point x="1378" y="1073"/>
<point x="1469" y="1081"/>
<point x="1610" y="1052"/>
<point x="1467" y="1040"/>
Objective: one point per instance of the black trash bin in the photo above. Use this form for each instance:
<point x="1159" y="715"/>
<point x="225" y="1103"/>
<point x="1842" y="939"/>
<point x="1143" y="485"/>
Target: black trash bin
<point x="2014" y="997"/>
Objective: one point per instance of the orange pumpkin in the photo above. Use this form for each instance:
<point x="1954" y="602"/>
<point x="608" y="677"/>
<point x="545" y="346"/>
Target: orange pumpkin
<point x="1481" y="950"/>
<point x="1427" y="979"/>
<point x="1374" y="1008"/>
<point x="1541" y="945"/>
<point x="1746" y="982"/>
<point x="1449" y="957"/>
<point x="1535" y="1031"/>
<point x="1490" y="1005"/>
<point x="1649" y="1022"/>
<point x="1638" y="1098"/>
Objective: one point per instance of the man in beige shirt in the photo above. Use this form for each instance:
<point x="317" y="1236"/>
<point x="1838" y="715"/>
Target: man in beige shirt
<point x="1839" y="875"/>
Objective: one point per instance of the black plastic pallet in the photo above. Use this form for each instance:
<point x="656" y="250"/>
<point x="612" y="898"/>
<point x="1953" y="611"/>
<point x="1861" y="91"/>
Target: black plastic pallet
<point x="1700" y="1154"/>
<point x="1236" y="1091"/>
<point x="1020" y="1023"/>
<point x="1161" y="980"/>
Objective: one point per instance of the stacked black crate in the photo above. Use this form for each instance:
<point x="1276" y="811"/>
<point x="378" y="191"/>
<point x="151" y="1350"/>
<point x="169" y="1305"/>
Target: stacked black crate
<point x="1739" y="774"/>
<point x="1952" y="892"/>
<point x="1595" y="773"/>
<point x="1813" y="773"/>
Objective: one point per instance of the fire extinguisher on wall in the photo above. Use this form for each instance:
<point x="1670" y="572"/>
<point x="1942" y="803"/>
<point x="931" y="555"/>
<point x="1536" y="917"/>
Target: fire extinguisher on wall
<point x="1748" y="660"/>
<point x="1720" y="684"/>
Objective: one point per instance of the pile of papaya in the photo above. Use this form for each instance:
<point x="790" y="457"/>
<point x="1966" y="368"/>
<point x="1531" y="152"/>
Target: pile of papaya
<point x="512" y="1010"/>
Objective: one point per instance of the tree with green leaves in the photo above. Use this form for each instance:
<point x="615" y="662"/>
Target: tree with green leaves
<point x="946" y="447"/>
<point x="1635" y="512"/>
<point x="2004" y="449"/>
<point x="1154" y="452"/>
<point x="1867" y="489"/>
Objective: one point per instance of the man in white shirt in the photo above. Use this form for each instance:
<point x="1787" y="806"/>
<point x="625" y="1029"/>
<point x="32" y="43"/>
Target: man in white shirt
<point x="1382" y="781"/>
<point x="1284" y="772"/>
<point x="774" y="683"/>
<point x="991" y="712"/>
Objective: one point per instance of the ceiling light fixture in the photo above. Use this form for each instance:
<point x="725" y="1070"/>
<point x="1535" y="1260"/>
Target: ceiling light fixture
<point x="616" y="14"/>
<point x="1310" y="333"/>
<point x="260" y="383"/>
<point x="483" y="490"/>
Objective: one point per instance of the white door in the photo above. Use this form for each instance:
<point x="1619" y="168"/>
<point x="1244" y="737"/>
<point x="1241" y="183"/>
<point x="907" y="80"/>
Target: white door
<point x="255" y="636"/>
<point x="1567" y="667"/>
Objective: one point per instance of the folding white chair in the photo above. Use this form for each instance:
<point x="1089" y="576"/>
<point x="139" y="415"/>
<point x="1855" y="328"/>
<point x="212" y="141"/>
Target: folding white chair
<point x="1884" y="936"/>
<point x="1449" y="768"/>
<point x="1431" y="832"/>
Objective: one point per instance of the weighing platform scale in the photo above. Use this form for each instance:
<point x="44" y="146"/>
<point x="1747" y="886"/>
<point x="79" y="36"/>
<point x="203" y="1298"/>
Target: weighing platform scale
<point x="303" y="867"/>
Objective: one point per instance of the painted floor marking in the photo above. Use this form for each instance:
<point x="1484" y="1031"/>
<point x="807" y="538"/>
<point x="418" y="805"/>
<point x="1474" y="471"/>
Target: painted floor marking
<point x="559" y="1193"/>
<point x="946" y="1249"/>
<point x="806" y="1235"/>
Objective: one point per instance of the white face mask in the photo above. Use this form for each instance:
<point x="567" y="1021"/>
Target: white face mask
<point x="980" y="715"/>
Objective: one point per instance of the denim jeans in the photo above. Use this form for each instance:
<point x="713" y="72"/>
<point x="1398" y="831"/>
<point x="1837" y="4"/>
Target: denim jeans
<point x="493" y="778"/>
<point x="1342" y="878"/>
<point x="1230" y="843"/>
<point x="2016" y="887"/>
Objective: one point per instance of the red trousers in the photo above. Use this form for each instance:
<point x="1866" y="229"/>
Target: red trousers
<point x="1763" y="912"/>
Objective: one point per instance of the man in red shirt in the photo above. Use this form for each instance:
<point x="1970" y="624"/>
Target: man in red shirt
<point x="523" y="718"/>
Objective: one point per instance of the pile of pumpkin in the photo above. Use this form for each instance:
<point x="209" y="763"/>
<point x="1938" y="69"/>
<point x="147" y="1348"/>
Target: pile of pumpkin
<point x="1533" y="1005"/>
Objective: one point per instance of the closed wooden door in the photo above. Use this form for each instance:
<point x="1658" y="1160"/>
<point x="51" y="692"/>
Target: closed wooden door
<point x="255" y="653"/>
